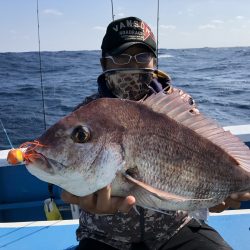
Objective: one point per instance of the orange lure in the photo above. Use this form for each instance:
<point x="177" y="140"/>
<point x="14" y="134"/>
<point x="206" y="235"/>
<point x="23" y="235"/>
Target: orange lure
<point x="15" y="156"/>
<point x="18" y="156"/>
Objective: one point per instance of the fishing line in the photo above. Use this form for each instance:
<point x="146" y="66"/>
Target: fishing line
<point x="6" y="134"/>
<point x="157" y="32"/>
<point x="112" y="8"/>
<point x="40" y="62"/>
<point x="50" y="186"/>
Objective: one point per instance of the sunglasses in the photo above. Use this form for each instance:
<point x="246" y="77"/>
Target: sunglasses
<point x="124" y="59"/>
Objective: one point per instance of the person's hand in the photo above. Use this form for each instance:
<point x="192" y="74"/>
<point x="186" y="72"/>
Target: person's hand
<point x="100" y="202"/>
<point x="233" y="201"/>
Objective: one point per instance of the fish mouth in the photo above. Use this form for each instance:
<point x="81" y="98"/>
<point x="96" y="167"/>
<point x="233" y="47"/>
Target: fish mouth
<point x="35" y="159"/>
<point x="31" y="156"/>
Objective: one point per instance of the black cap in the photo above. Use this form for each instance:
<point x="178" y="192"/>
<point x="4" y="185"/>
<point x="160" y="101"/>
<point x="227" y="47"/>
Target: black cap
<point x="125" y="32"/>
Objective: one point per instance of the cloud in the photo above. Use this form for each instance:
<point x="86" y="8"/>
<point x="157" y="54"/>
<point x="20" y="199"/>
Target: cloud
<point x="239" y="17"/>
<point x="13" y="32"/>
<point x="120" y="14"/>
<point x="99" y="28"/>
<point x="190" y="12"/>
<point x="26" y="37"/>
<point x="53" y="12"/>
<point x="168" y="27"/>
<point x="206" y="26"/>
<point x="216" y="21"/>
<point x="185" y="33"/>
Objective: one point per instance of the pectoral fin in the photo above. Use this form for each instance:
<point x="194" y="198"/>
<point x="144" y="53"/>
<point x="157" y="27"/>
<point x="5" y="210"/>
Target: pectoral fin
<point x="162" y="195"/>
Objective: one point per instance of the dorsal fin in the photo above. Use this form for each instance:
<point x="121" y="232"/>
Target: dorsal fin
<point x="176" y="106"/>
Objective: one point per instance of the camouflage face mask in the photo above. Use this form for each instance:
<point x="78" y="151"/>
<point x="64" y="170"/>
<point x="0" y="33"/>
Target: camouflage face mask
<point x="130" y="84"/>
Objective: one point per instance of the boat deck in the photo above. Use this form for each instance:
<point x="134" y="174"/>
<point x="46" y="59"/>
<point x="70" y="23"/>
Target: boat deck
<point x="38" y="235"/>
<point x="234" y="226"/>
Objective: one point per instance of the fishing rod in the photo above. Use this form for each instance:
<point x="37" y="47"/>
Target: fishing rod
<point x="50" y="186"/>
<point x="40" y="63"/>
<point x="112" y="8"/>
<point x="157" y="32"/>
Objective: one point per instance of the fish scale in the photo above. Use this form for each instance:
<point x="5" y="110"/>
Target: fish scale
<point x="173" y="172"/>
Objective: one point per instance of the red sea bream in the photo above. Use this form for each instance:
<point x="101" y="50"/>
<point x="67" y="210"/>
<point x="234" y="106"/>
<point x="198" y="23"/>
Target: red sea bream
<point x="161" y="150"/>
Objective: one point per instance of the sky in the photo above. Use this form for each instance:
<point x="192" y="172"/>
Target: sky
<point x="81" y="24"/>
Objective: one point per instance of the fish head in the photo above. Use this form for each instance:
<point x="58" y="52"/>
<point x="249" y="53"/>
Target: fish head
<point x="80" y="153"/>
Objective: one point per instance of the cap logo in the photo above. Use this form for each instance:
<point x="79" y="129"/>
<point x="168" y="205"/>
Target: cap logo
<point x="134" y="24"/>
<point x="128" y="23"/>
<point x="147" y="31"/>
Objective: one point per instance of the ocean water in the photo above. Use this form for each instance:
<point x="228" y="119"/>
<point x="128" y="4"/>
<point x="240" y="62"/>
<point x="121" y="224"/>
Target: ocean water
<point x="217" y="78"/>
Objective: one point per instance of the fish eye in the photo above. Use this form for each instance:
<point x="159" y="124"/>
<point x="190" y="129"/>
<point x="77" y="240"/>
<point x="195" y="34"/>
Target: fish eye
<point x="80" y="134"/>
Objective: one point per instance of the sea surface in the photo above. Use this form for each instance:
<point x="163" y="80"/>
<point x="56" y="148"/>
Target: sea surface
<point x="217" y="78"/>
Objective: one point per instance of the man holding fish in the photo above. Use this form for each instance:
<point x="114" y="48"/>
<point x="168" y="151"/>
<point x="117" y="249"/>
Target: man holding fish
<point x="111" y="222"/>
<point x="143" y="163"/>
